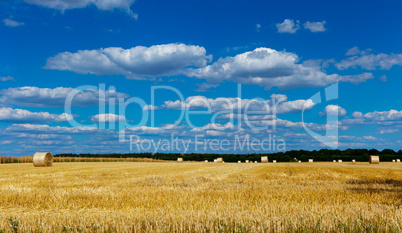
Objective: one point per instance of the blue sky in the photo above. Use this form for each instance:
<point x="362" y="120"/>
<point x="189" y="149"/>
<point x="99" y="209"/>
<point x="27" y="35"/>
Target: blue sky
<point x="276" y="50"/>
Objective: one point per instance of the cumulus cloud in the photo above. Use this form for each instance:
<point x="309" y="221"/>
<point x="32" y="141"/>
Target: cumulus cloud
<point x="8" y="78"/>
<point x="12" y="23"/>
<point x="383" y="118"/>
<point x="54" y="98"/>
<point x="383" y="78"/>
<point x="280" y="124"/>
<point x="108" y="118"/>
<point x="136" y="63"/>
<point x="268" y="67"/>
<point x="46" y="129"/>
<point x="278" y="104"/>
<point x="370" y="61"/>
<point x="315" y="26"/>
<point x="288" y="26"/>
<point x="21" y="115"/>
<point x="108" y="5"/>
<point x="357" y="114"/>
<point x="333" y="110"/>
<point x="390" y="115"/>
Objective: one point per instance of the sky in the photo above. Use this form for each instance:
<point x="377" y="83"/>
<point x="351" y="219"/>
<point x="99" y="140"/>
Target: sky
<point x="125" y="76"/>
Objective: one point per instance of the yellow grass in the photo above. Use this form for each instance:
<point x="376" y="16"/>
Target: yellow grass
<point x="201" y="197"/>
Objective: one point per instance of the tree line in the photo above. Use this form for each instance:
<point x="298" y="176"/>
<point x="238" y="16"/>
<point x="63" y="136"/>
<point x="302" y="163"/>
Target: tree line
<point x="361" y="155"/>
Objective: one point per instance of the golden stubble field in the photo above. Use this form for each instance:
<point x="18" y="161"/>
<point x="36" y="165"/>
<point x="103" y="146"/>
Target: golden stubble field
<point x="201" y="197"/>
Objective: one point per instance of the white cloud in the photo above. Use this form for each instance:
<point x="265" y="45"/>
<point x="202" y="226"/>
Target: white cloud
<point x="8" y="78"/>
<point x="110" y="118"/>
<point x="357" y="114"/>
<point x="355" y="51"/>
<point x="258" y="27"/>
<point x="215" y="129"/>
<point x="280" y="124"/>
<point x="50" y="129"/>
<point x="388" y="131"/>
<point x="333" y="110"/>
<point x="63" y="5"/>
<point x="371" y="61"/>
<point x="315" y="26"/>
<point x="136" y="63"/>
<point x="277" y="104"/>
<point x="383" y="78"/>
<point x="288" y="26"/>
<point x="268" y="67"/>
<point x="203" y="87"/>
<point x="54" y="98"/>
<point x="384" y="118"/>
<point x="358" y="78"/>
<point x="390" y="115"/>
<point x="150" y="107"/>
<point x="12" y="23"/>
<point x="21" y="115"/>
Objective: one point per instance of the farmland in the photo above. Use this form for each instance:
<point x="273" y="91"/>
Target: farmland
<point x="201" y="197"/>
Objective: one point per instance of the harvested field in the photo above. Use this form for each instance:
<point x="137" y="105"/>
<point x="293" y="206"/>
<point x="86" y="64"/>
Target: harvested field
<point x="201" y="197"/>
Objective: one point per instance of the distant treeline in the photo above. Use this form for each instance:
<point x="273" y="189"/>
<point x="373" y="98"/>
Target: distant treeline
<point x="293" y="155"/>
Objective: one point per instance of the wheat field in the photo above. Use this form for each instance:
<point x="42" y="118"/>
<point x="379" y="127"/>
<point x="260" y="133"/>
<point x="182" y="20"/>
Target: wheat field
<point x="201" y="197"/>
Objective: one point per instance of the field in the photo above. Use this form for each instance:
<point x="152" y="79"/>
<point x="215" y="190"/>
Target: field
<point x="200" y="197"/>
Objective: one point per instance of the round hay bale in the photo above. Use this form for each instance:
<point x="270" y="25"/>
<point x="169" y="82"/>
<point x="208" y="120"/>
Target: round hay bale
<point x="310" y="160"/>
<point x="239" y="161"/>
<point x="393" y="160"/>
<point x="398" y="160"/>
<point x="247" y="161"/>
<point x="340" y="161"/>
<point x="334" y="161"/>
<point x="299" y="161"/>
<point x="206" y="161"/>
<point x="219" y="160"/>
<point x="374" y="159"/>
<point x="42" y="159"/>
<point x="264" y="159"/>
<point x="274" y="161"/>
<point x="353" y="161"/>
<point x="179" y="159"/>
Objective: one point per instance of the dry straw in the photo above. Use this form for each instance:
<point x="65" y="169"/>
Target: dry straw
<point x="219" y="160"/>
<point x="239" y="161"/>
<point x="374" y="159"/>
<point x="353" y="161"/>
<point x="264" y="159"/>
<point x="274" y="161"/>
<point x="393" y="160"/>
<point x="310" y="160"/>
<point x="179" y="159"/>
<point x="340" y="161"/>
<point x="206" y="161"/>
<point x="334" y="161"/>
<point x="398" y="160"/>
<point x="42" y="159"/>
<point x="247" y="161"/>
